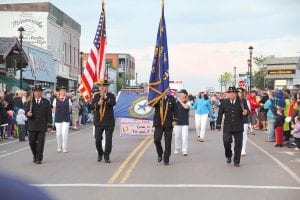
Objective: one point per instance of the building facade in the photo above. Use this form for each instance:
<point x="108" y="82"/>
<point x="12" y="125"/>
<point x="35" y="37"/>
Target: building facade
<point x="125" y="66"/>
<point x="284" y="71"/>
<point x="48" y="27"/>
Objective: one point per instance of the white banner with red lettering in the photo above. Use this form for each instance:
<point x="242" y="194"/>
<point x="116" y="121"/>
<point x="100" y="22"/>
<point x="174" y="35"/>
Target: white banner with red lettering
<point x="135" y="127"/>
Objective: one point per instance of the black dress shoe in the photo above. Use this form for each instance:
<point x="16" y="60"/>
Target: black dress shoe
<point x="236" y="164"/>
<point x="107" y="161"/>
<point x="228" y="160"/>
<point x="34" y="160"/>
<point x="159" y="158"/>
<point x="99" y="158"/>
<point x="38" y="162"/>
<point x="166" y="162"/>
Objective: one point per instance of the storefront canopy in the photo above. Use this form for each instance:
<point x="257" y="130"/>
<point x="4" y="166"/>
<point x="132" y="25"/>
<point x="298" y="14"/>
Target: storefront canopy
<point x="13" y="82"/>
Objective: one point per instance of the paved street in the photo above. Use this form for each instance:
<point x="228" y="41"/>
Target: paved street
<point x="265" y="173"/>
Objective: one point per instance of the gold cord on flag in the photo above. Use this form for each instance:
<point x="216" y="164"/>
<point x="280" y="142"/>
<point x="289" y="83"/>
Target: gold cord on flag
<point x="163" y="115"/>
<point x="102" y="110"/>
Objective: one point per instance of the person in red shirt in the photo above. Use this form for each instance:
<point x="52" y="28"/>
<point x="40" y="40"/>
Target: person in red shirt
<point x="253" y="106"/>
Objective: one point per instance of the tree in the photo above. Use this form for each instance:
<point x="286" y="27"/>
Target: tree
<point x="226" y="78"/>
<point x="258" y="78"/>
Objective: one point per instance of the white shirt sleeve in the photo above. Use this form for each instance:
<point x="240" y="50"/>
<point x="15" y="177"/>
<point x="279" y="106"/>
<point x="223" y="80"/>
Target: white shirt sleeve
<point x="70" y="102"/>
<point x="54" y="103"/>
<point x="188" y="104"/>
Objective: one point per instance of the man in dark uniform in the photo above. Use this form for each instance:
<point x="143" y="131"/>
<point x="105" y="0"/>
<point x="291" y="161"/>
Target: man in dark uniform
<point x="39" y="120"/>
<point x="103" y="103"/>
<point x="165" y="117"/>
<point x="234" y="110"/>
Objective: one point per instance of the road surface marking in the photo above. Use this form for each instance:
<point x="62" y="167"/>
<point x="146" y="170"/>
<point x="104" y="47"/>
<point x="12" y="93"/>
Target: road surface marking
<point x="262" y="187"/>
<point x="126" y="161"/>
<point x="283" y="166"/>
<point x="134" y="163"/>
<point x="9" y="142"/>
<point x="26" y="148"/>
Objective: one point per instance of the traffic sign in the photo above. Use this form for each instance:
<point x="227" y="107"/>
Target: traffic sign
<point x="241" y="83"/>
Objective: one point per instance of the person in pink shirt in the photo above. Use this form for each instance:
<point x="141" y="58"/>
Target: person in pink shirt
<point x="253" y="106"/>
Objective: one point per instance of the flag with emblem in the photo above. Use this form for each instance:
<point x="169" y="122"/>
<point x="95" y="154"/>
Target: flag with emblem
<point x="95" y="66"/>
<point x="133" y="106"/>
<point x="159" y="77"/>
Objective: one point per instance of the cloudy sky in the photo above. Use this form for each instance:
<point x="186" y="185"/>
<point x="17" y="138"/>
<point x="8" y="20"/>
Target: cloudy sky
<point x="205" y="38"/>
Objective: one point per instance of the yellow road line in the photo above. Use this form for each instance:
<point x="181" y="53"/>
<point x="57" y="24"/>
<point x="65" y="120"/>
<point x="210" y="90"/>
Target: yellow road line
<point x="125" y="162"/>
<point x="134" y="163"/>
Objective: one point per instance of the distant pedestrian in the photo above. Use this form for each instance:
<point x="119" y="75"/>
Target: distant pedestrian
<point x="234" y="110"/>
<point x="213" y="119"/>
<point x="21" y="120"/>
<point x="270" y="106"/>
<point x="253" y="114"/>
<point x="296" y="132"/>
<point x="181" y="128"/>
<point x="75" y="112"/>
<point x="278" y="125"/>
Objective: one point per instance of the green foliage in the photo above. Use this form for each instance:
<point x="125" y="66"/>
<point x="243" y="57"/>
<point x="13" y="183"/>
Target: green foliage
<point x="226" y="78"/>
<point x="258" y="79"/>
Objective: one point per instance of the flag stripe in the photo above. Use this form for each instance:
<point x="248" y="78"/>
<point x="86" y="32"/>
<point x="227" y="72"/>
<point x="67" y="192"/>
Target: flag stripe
<point x="95" y="66"/>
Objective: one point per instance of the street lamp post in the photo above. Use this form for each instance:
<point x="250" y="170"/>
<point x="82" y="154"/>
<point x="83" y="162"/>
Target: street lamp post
<point x="106" y="69"/>
<point x="234" y="76"/>
<point x="124" y="70"/>
<point x="21" y="29"/>
<point x="221" y="82"/>
<point x="248" y="74"/>
<point x="250" y="66"/>
<point x="81" y="67"/>
<point x="136" y="80"/>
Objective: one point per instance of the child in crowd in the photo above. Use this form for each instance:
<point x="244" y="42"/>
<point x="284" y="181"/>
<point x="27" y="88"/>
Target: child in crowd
<point x="213" y="119"/>
<point x="278" y="125"/>
<point x="21" y="120"/>
<point x="296" y="132"/>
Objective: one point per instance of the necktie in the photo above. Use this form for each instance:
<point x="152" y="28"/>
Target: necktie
<point x="38" y="101"/>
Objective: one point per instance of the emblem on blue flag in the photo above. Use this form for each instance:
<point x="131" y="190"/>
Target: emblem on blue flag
<point x="159" y="77"/>
<point x="133" y="106"/>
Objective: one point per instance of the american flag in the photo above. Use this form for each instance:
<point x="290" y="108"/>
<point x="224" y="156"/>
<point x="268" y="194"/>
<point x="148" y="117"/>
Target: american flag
<point x="95" y="66"/>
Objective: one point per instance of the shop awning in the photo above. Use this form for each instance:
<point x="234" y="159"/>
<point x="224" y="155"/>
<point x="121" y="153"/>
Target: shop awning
<point x="13" y="82"/>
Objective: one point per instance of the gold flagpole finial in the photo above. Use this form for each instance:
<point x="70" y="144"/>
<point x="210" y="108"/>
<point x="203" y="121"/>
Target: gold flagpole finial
<point x="163" y="3"/>
<point x="103" y="3"/>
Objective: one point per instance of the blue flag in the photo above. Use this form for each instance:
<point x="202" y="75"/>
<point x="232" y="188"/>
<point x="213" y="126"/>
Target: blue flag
<point x="159" y="78"/>
<point x="133" y="106"/>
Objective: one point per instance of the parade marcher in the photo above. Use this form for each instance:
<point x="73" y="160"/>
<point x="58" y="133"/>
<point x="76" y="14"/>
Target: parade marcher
<point x="202" y="108"/>
<point x="245" y="120"/>
<point x="165" y="117"/>
<point x="103" y="103"/>
<point x="62" y="107"/>
<point x="181" y="128"/>
<point x="39" y="121"/>
<point x="234" y="110"/>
